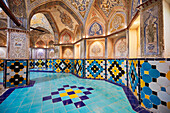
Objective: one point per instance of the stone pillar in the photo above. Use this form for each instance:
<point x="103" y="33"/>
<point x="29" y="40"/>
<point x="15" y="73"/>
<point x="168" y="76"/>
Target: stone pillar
<point x="18" y="44"/>
<point x="16" y="72"/>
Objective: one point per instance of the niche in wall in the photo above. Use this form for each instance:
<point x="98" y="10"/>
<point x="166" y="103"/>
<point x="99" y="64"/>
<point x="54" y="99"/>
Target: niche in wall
<point x="117" y="46"/>
<point x="95" y="48"/>
<point x="67" y="52"/>
<point x="77" y="50"/>
<point x="134" y="39"/>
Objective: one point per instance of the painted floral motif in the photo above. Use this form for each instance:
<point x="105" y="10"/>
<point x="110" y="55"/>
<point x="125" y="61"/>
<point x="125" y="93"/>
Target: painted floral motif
<point x="66" y="19"/>
<point x="80" y="5"/>
<point x="108" y="5"/>
<point x="120" y="48"/>
<point x="117" y="22"/>
<point x="95" y="29"/>
<point x="151" y="31"/>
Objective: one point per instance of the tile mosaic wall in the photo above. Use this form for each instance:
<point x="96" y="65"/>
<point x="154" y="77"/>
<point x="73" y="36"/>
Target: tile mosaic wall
<point x="133" y="77"/>
<point x="116" y="71"/>
<point x="31" y="64"/>
<point x="95" y="69"/>
<point x="155" y="85"/>
<point x="79" y="67"/>
<point x="40" y="64"/>
<point x="16" y="73"/>
<point x="1" y="65"/>
<point x="49" y="63"/>
<point x="62" y="66"/>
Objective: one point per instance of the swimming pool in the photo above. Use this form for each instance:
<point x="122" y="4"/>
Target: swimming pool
<point x="66" y="93"/>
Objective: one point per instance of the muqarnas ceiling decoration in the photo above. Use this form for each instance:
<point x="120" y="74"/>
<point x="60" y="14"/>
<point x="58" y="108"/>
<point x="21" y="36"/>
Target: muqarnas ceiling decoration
<point x="95" y="29"/>
<point x="117" y="22"/>
<point x="80" y="5"/>
<point x="66" y="19"/>
<point x="107" y="5"/>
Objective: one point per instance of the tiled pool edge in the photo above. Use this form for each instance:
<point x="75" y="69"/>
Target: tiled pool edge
<point x="10" y="90"/>
<point x="130" y="96"/>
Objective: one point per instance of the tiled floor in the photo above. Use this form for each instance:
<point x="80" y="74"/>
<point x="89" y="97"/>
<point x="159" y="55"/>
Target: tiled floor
<point x="61" y="93"/>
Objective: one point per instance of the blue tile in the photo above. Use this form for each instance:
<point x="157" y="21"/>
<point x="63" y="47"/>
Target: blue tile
<point x="73" y="111"/>
<point x="79" y="104"/>
<point x="66" y="102"/>
<point x="56" y="100"/>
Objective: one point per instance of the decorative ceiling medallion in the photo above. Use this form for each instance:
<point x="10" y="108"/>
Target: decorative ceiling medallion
<point x="66" y="19"/>
<point x="17" y="2"/>
<point x="80" y="5"/>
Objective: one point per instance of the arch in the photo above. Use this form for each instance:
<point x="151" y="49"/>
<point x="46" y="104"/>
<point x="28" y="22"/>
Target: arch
<point x="66" y="36"/>
<point x="52" y="3"/>
<point x="96" y="28"/>
<point x="120" y="48"/>
<point x="117" y="22"/>
<point x="40" y="43"/>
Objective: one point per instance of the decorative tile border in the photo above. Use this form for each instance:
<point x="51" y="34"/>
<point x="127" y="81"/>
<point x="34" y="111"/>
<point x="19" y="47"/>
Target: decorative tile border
<point x="16" y="73"/>
<point x="1" y="65"/>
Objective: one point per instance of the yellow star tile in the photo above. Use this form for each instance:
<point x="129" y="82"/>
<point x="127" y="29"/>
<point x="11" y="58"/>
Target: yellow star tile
<point x="69" y="90"/>
<point x="78" y="91"/>
<point x="73" y="96"/>
<point x="63" y="94"/>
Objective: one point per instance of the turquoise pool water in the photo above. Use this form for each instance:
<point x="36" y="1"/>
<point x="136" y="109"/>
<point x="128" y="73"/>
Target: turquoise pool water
<point x="66" y="93"/>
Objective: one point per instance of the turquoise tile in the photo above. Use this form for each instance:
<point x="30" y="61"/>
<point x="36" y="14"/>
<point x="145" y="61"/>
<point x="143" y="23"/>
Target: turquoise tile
<point x="88" y="101"/>
<point x="58" y="104"/>
<point x="73" y="111"/>
<point x="49" y="111"/>
<point x="70" y="107"/>
<point x="65" y="98"/>
<point x="60" y="110"/>
<point x="83" y="109"/>
<point x="76" y="100"/>
<point x="12" y="110"/>
<point x="35" y="110"/>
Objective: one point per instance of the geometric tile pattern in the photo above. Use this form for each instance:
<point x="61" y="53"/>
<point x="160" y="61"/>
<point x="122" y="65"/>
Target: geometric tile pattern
<point x="32" y="63"/>
<point x="62" y="66"/>
<point x="1" y="65"/>
<point x="95" y="69"/>
<point x="40" y="64"/>
<point x="116" y="71"/>
<point x="133" y="77"/>
<point x="155" y="85"/>
<point x="70" y="95"/>
<point x="50" y="63"/>
<point x="78" y="67"/>
<point x="16" y="73"/>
